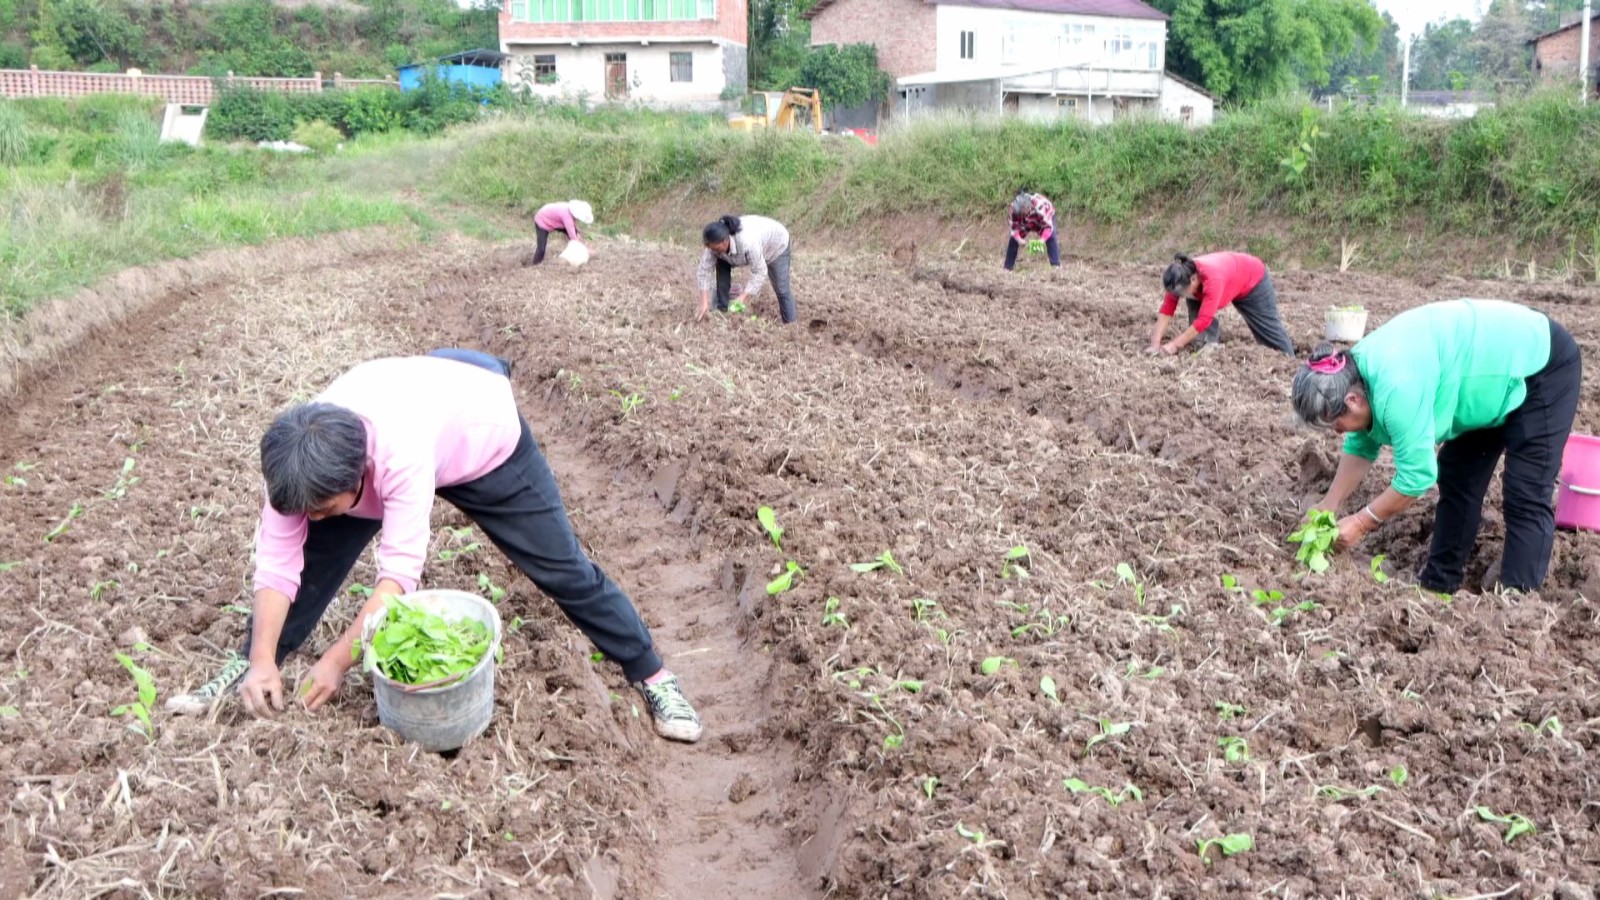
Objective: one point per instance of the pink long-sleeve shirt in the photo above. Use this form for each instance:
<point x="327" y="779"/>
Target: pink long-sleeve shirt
<point x="431" y="423"/>
<point x="557" y="217"/>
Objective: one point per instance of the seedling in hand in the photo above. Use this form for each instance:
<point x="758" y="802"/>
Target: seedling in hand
<point x="885" y="560"/>
<point x="1108" y="730"/>
<point x="140" y="708"/>
<point x="1516" y="824"/>
<point x="1129" y="791"/>
<point x="785" y="581"/>
<point x="769" y="522"/>
<point x="1316" y="538"/>
<point x="1234" y="749"/>
<point x="1229" y="844"/>
<point x="831" y="615"/>
<point x="1035" y="246"/>
<point x="1016" y="563"/>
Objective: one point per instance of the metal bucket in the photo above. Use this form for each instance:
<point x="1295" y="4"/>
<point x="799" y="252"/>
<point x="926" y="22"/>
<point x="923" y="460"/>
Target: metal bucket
<point x="442" y="717"/>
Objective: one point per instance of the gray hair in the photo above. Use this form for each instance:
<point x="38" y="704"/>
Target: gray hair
<point x="1023" y="204"/>
<point x="1319" y="397"/>
<point x="312" y="453"/>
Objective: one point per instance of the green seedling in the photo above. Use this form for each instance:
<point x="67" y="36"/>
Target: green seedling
<point x="1129" y="791"/>
<point x="359" y="590"/>
<point x="414" y="646"/>
<point x="1229" y="844"/>
<point x="831" y="615"/>
<point x="468" y="550"/>
<point x="26" y="466"/>
<point x="946" y="636"/>
<point x="885" y="560"/>
<point x="6" y="567"/>
<point x="124" y="481"/>
<point x="1126" y="575"/>
<point x="1047" y="687"/>
<point x="1260" y="597"/>
<point x="1161" y="623"/>
<point x="1516" y="824"/>
<point x="1398" y="776"/>
<point x="629" y="402"/>
<point x="676" y="395"/>
<point x="1234" y="749"/>
<point x="1376" y="567"/>
<point x="1277" y="616"/>
<point x="1551" y="725"/>
<point x="515" y="626"/>
<point x="992" y="665"/>
<point x="1016" y="563"/>
<point x="140" y="708"/>
<point x="1035" y="247"/>
<point x="923" y="610"/>
<point x="1229" y="711"/>
<point x="1316" y="538"/>
<point x="1108" y="730"/>
<point x="64" y="524"/>
<point x="785" y="581"/>
<point x="99" y="589"/>
<point x="1230" y="583"/>
<point x="1411" y="695"/>
<point x="972" y="835"/>
<point x="1340" y="794"/>
<point x="459" y="533"/>
<point x="854" y="678"/>
<point x="769" y="522"/>
<point x="496" y="593"/>
<point x="597" y="657"/>
<point x="15" y="481"/>
<point x="1047" y="624"/>
<point x="1150" y="674"/>
<point x="929" y="785"/>
<point x="9" y="712"/>
<point x="737" y="307"/>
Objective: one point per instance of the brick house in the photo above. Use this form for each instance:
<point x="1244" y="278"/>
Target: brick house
<point x="1556" y="53"/>
<point x="659" y="52"/>
<point x="1096" y="60"/>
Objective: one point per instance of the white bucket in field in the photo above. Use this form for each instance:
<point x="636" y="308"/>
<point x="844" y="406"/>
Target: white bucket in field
<point x="575" y="254"/>
<point x="1346" y="325"/>
<point x="447" y="716"/>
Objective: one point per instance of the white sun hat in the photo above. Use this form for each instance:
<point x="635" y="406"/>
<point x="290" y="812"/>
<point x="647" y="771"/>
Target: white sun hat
<point x="581" y="211"/>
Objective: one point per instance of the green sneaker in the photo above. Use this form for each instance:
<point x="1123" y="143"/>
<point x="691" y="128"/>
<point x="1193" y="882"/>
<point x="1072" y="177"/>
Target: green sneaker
<point x="674" y="716"/>
<point x="200" y="700"/>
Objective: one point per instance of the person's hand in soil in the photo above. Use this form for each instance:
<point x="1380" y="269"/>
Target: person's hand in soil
<point x="705" y="307"/>
<point x="1169" y="349"/>
<point x="262" y="689"/>
<point x="1352" y="529"/>
<point x="1152" y="350"/>
<point x="322" y="683"/>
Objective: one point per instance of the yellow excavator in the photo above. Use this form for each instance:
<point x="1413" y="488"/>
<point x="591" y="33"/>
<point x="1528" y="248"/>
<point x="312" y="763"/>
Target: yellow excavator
<point x="782" y="110"/>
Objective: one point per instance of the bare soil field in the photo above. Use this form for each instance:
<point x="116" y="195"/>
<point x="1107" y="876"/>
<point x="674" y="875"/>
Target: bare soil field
<point x="900" y="742"/>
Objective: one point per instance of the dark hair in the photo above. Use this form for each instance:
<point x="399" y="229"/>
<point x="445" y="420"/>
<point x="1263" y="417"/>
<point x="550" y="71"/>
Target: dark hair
<point x="1319" y="397"/>
<point x="1178" y="275"/>
<point x="718" y="231"/>
<point x="310" y="454"/>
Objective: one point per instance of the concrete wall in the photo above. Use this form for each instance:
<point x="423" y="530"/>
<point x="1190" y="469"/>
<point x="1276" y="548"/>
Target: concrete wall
<point x="1177" y="96"/>
<point x="902" y="30"/>
<point x="1045" y="108"/>
<point x="1016" y="37"/>
<point x="731" y="24"/>
<point x="581" y="71"/>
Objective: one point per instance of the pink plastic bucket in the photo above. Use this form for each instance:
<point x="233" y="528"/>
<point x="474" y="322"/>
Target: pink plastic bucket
<point x="1578" y="503"/>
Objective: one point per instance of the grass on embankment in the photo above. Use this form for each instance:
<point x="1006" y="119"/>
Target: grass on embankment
<point x="1282" y="180"/>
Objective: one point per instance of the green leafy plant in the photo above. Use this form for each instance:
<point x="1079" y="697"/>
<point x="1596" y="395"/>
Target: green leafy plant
<point x="993" y="664"/>
<point x="924" y="610"/>
<point x="785" y="580"/>
<point x="970" y="834"/>
<point x="15" y="481"/>
<point x="1126" y="575"/>
<point x="1229" y="844"/>
<point x="99" y="589"/>
<point x="769" y="522"/>
<point x="1376" y="567"/>
<point x="831" y="615"/>
<point x="1550" y="725"/>
<point x="885" y="560"/>
<point x="1234" y="749"/>
<point x="1316" y="537"/>
<point x="1108" y="730"/>
<point x="1047" y="687"/>
<point x="495" y="592"/>
<point x="448" y="555"/>
<point x="8" y="566"/>
<point x="1516" y="824"/>
<point x="1340" y="794"/>
<point x="1162" y="624"/>
<point x="1129" y="791"/>
<point x="141" y="708"/>
<point x="1398" y="776"/>
<point x="125" y="480"/>
<point x="414" y="646"/>
<point x="1282" y="613"/>
<point x="1228" y="711"/>
<point x="9" y="712"/>
<point x="929" y="785"/>
<point x="318" y="135"/>
<point x="1261" y="597"/>
<point x="1150" y="674"/>
<point x="1015" y="563"/>
<point x="629" y="402"/>
<point x="1035" y="246"/>
<point x="360" y="590"/>
<point x="66" y="523"/>
<point x="1230" y="583"/>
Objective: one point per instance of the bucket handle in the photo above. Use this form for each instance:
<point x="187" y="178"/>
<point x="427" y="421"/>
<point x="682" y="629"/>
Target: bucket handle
<point x="1585" y="491"/>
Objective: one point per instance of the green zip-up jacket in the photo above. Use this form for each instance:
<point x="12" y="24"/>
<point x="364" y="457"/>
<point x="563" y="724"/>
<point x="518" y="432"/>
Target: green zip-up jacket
<point x="1440" y="370"/>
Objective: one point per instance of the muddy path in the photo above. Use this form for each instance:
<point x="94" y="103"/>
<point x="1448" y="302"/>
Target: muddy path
<point x="872" y="733"/>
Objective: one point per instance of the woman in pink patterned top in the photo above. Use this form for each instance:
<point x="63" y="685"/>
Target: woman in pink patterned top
<point x="1032" y="214"/>
<point x="560" y="217"/>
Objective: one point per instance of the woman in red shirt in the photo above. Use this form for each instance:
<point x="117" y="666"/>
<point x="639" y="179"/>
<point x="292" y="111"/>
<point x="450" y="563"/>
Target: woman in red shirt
<point x="1207" y="284"/>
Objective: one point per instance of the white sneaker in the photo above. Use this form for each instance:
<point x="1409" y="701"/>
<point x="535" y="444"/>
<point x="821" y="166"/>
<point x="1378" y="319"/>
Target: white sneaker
<point x="675" y="717"/>
<point x="200" y="700"/>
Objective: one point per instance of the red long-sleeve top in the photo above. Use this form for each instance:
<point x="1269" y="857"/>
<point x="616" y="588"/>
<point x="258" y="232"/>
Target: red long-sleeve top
<point x="1224" y="277"/>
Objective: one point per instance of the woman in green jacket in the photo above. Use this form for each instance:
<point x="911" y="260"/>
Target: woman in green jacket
<point x="1481" y="377"/>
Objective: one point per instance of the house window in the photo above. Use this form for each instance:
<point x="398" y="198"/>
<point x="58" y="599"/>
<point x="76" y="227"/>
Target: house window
<point x="968" y="45"/>
<point x="682" y="66"/>
<point x="1067" y="107"/>
<point x="557" y="11"/>
<point x="544" y="68"/>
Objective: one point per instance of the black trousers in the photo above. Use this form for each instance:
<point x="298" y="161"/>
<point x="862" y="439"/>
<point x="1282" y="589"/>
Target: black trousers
<point x="1052" y="246"/>
<point x="519" y="507"/>
<point x="778" y="271"/>
<point x="1533" y="438"/>
<point x="1260" y="311"/>
<point x="543" y="241"/>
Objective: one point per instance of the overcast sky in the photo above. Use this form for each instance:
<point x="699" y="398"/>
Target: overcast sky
<point x="1413" y="14"/>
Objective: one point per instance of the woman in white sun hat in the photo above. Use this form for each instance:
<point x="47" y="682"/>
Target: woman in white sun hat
<point x="560" y="217"/>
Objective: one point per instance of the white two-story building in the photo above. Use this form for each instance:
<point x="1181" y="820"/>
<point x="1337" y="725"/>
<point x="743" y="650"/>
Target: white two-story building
<point x="1097" y="60"/>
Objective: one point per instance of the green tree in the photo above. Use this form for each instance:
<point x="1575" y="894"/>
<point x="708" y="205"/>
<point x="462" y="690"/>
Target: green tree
<point x="1500" y="43"/>
<point x="1249" y="49"/>
<point x="846" y="76"/>
<point x="1442" y="49"/>
<point x="1367" y="59"/>
<point x="778" y="42"/>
